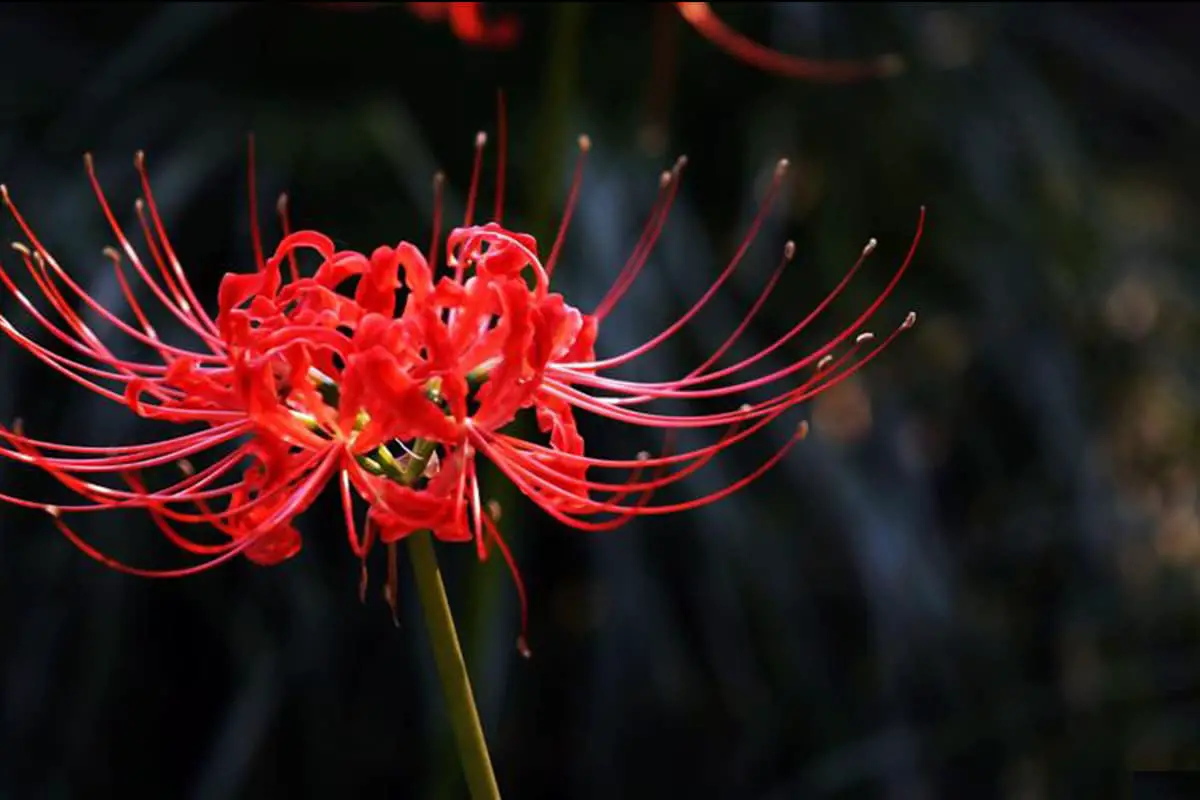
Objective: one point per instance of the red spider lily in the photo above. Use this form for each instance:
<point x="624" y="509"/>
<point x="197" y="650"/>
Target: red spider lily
<point x="467" y="21"/>
<point x="395" y="401"/>
<point x="701" y="17"/>
<point x="469" y="24"/>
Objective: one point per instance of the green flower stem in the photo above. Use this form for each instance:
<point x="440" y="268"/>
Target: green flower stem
<point x="447" y="653"/>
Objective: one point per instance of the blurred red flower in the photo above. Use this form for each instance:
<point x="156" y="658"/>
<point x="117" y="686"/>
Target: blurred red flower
<point x="469" y="24"/>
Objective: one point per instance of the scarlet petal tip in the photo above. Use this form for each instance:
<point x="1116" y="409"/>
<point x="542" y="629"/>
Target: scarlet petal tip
<point x="870" y="248"/>
<point x="909" y="321"/>
<point x="585" y="142"/>
<point x="523" y="647"/>
<point x="789" y="250"/>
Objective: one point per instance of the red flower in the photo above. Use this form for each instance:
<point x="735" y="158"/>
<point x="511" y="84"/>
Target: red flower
<point x="306" y="381"/>
<point x="701" y="17"/>
<point x="468" y="24"/>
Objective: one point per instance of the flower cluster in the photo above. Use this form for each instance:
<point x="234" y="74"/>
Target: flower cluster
<point x="471" y="25"/>
<point x="389" y="376"/>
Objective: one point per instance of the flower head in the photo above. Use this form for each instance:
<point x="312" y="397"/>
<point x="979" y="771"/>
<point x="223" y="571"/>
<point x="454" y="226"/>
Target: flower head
<point x="469" y="24"/>
<point x="391" y="377"/>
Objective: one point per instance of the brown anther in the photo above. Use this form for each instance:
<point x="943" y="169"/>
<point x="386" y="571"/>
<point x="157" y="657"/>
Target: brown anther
<point x="111" y="253"/>
<point x="390" y="599"/>
<point x="802" y="429"/>
<point x="20" y="248"/>
<point x="585" y="142"/>
<point x="4" y="195"/>
<point x="139" y="160"/>
<point x="824" y="362"/>
<point x="523" y="647"/>
<point x="865" y="336"/>
<point x="439" y="178"/>
<point x="281" y="205"/>
<point x="664" y="180"/>
<point x="890" y="65"/>
<point x="139" y="205"/>
<point x="53" y="511"/>
<point x="493" y="507"/>
<point x="186" y="467"/>
<point x="18" y="426"/>
<point x="89" y="163"/>
<point x="870" y="248"/>
<point x="789" y="250"/>
<point x="909" y="321"/>
<point x="745" y="407"/>
<point x="480" y="139"/>
<point x="781" y="168"/>
<point x="643" y="455"/>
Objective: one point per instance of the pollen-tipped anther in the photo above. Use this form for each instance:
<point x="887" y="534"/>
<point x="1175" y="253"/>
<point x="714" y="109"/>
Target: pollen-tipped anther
<point x="909" y="320"/>
<point x="585" y="142"/>
<point x="891" y="65"/>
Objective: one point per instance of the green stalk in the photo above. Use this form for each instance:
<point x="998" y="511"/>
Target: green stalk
<point x="447" y="653"/>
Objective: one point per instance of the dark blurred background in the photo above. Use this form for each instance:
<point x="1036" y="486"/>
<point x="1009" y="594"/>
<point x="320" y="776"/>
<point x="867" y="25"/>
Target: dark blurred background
<point x="978" y="577"/>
